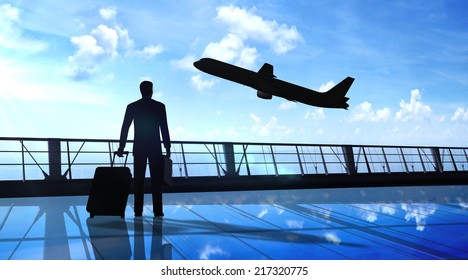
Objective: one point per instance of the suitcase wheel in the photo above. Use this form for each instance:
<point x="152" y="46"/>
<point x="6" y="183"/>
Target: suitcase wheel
<point x="122" y="216"/>
<point x="91" y="216"/>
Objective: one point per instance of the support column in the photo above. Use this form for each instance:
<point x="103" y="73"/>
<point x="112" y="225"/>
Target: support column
<point x="229" y="159"/>
<point x="55" y="160"/>
<point x="349" y="159"/>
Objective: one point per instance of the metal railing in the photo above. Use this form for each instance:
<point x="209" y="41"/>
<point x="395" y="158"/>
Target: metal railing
<point x="61" y="159"/>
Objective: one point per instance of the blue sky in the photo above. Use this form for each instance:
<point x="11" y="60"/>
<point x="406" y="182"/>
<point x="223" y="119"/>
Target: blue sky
<point x="69" y="70"/>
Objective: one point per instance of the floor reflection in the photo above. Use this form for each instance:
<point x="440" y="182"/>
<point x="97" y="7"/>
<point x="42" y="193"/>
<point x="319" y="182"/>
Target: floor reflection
<point x="371" y="223"/>
<point x="109" y="238"/>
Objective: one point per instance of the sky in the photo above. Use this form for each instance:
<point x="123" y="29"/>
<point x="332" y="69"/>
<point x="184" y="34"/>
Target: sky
<point x="69" y="68"/>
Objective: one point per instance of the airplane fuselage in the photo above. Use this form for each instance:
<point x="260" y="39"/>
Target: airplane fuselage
<point x="268" y="84"/>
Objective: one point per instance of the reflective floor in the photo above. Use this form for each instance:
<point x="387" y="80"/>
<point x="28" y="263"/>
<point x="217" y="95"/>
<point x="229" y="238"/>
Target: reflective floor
<point x="368" y="223"/>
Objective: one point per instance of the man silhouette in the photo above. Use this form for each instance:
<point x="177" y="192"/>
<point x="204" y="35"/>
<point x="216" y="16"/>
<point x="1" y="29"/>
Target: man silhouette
<point x="149" y="120"/>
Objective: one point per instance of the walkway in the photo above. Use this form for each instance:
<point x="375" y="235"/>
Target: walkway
<point x="367" y="223"/>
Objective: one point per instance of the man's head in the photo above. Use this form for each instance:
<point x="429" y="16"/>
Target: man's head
<point x="146" y="89"/>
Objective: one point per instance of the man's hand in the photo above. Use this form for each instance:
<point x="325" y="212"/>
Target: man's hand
<point x="168" y="152"/>
<point x="120" y="152"/>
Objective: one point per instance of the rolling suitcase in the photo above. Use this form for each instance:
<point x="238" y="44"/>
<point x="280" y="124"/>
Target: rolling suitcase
<point x="109" y="190"/>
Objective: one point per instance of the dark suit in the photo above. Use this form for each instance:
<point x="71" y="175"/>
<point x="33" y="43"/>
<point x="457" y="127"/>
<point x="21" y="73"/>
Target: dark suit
<point x="149" y="120"/>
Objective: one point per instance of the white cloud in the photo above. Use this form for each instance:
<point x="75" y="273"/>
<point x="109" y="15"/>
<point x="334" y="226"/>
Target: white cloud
<point x="369" y="212"/>
<point x="149" y="51"/>
<point x="232" y="49"/>
<point x="414" y="109"/>
<point x="255" y="118"/>
<point x="244" y="26"/>
<point x="262" y="213"/>
<point x="104" y="44"/>
<point x="247" y="25"/>
<point x="201" y="84"/>
<point x="40" y="88"/>
<point x="106" y="38"/>
<point x="226" y="49"/>
<point x="419" y="212"/>
<point x="271" y="128"/>
<point x="100" y="45"/>
<point x="364" y="112"/>
<point x="11" y="32"/>
<point x="462" y="203"/>
<point x="8" y="14"/>
<point x="461" y="114"/>
<point x="332" y="238"/>
<point x="287" y="105"/>
<point x="181" y="134"/>
<point x="388" y="209"/>
<point x="231" y="132"/>
<point x="247" y="57"/>
<point x="317" y="114"/>
<point x="295" y="224"/>
<point x="9" y="21"/>
<point x="87" y="47"/>
<point x="327" y="86"/>
<point x="185" y="63"/>
<point x="124" y="38"/>
<point x="158" y="95"/>
<point x="209" y="250"/>
<point x="108" y="13"/>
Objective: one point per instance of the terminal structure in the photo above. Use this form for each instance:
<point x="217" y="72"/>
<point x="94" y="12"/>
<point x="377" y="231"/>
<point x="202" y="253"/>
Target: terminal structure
<point x="49" y="167"/>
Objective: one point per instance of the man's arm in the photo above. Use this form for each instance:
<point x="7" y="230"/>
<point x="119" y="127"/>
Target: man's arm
<point x="124" y="132"/>
<point x="165" y="132"/>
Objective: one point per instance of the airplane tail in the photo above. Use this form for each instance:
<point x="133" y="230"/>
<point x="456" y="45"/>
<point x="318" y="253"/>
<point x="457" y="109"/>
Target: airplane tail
<point x="338" y="93"/>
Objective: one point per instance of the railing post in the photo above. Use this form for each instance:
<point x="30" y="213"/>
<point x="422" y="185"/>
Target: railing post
<point x="246" y="159"/>
<point x="404" y="160"/>
<point x="229" y="159"/>
<point x="274" y="160"/>
<point x="437" y="160"/>
<point x="69" y="160"/>
<point x="349" y="159"/>
<point x="466" y="156"/>
<point x="110" y="152"/>
<point x="299" y="161"/>
<point x="369" y="170"/>
<point x="453" y="160"/>
<point x="184" y="161"/>
<point x="323" y="160"/>
<point x="422" y="161"/>
<point x="386" y="161"/>
<point x="216" y="160"/>
<point x="22" y="161"/>
<point x="55" y="160"/>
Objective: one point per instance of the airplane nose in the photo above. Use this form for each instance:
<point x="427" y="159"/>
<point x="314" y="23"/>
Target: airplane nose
<point x="198" y="64"/>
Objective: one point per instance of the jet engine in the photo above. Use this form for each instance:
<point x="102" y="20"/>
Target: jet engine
<point x="264" y="95"/>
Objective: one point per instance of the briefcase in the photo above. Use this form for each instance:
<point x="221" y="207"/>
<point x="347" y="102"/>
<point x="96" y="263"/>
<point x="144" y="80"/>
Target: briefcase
<point x="167" y="179"/>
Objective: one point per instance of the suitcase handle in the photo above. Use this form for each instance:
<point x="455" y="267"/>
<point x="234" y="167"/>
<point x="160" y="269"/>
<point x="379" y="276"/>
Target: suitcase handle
<point x="126" y="157"/>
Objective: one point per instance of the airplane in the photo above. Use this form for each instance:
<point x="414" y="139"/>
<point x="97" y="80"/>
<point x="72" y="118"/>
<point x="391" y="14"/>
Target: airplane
<point x="267" y="85"/>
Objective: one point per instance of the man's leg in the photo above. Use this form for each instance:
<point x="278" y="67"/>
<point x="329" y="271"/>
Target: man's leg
<point x="139" y="168"/>
<point x="156" y="170"/>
